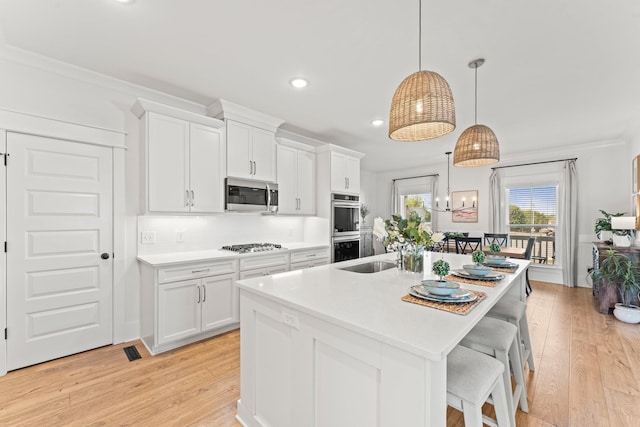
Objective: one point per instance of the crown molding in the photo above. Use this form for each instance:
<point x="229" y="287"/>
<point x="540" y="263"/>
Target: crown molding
<point x="223" y="109"/>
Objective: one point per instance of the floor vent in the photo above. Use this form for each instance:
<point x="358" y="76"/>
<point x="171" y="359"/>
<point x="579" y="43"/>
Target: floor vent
<point x="132" y="353"/>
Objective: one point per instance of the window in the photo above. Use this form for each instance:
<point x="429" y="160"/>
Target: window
<point x="533" y="211"/>
<point x="415" y="194"/>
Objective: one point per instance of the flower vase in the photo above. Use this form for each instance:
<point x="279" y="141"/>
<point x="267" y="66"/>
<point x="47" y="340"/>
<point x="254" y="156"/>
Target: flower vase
<point x="413" y="259"/>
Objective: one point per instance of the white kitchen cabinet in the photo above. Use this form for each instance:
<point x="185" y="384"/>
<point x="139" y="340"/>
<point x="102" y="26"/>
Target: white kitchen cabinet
<point x="188" y="302"/>
<point x="183" y="164"/>
<point x="345" y="173"/>
<point x="296" y="181"/>
<point x="251" y="152"/>
<point x="264" y="265"/>
<point x="307" y="258"/>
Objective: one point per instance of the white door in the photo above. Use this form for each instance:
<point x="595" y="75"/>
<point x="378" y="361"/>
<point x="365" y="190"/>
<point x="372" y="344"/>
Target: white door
<point x="219" y="301"/>
<point x="239" y="162"/>
<point x="263" y="152"/>
<point x="59" y="223"/>
<point x="178" y="310"/>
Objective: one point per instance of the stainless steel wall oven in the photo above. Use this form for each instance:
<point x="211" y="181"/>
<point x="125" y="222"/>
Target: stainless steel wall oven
<point x="345" y="226"/>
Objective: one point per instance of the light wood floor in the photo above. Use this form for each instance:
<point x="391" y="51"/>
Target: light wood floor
<point x="587" y="374"/>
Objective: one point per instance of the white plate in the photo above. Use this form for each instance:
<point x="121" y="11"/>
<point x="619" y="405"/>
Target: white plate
<point x="436" y="298"/>
<point x="501" y="265"/>
<point x="491" y="276"/>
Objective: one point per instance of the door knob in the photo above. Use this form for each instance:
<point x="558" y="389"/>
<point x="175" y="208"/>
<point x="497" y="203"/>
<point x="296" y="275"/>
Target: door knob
<point x="104" y="256"/>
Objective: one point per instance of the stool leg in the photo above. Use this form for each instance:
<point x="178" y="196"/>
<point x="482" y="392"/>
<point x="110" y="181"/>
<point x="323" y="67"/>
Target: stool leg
<point x="518" y="372"/>
<point x="504" y="416"/>
<point x="503" y="358"/>
<point x="526" y="338"/>
<point x="472" y="414"/>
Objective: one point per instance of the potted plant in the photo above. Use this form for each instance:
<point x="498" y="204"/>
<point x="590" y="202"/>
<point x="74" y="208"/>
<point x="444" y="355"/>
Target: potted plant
<point x="440" y="268"/>
<point x="364" y="211"/>
<point x="494" y="249"/>
<point x="602" y="226"/>
<point x="619" y="270"/>
<point x="477" y="257"/>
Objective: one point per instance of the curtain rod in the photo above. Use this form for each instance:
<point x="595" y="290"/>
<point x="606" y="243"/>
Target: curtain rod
<point x="534" y="163"/>
<point x="412" y="177"/>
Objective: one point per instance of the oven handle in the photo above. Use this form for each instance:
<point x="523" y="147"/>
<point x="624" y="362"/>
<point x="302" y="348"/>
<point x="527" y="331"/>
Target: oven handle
<point x="346" y="204"/>
<point x="342" y="239"/>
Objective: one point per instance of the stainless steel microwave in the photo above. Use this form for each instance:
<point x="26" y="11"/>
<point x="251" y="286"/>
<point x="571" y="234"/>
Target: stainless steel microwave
<point x="244" y="195"/>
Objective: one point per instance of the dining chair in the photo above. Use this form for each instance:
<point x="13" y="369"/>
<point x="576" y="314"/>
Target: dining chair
<point x="527" y="255"/>
<point x="499" y="238"/>
<point x="470" y="244"/>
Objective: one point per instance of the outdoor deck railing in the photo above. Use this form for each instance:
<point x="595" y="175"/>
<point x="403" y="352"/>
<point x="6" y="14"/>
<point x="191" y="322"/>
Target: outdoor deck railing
<point x="544" y="249"/>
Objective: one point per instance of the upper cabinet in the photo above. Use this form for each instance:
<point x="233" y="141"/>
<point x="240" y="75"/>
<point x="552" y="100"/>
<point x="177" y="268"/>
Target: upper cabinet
<point x="183" y="159"/>
<point x="250" y="140"/>
<point x="251" y="152"/>
<point x="345" y="173"/>
<point x="296" y="180"/>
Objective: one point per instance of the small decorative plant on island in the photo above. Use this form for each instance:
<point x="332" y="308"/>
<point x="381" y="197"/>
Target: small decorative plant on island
<point x="494" y="249"/>
<point x="440" y="268"/>
<point x="477" y="257"/>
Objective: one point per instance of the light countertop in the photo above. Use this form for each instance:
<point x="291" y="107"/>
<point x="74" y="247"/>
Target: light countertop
<point x="370" y="304"/>
<point x="170" y="258"/>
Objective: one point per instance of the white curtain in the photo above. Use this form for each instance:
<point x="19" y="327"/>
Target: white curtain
<point x="569" y="212"/>
<point x="421" y="185"/>
<point x="497" y="219"/>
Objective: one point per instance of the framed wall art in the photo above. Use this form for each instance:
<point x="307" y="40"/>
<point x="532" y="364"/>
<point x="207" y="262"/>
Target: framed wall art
<point x="464" y="206"/>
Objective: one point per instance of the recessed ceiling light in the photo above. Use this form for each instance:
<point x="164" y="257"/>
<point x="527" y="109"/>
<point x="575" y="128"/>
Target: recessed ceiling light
<point x="298" y="82"/>
<point x="377" y="122"/>
<point x="124" y="1"/>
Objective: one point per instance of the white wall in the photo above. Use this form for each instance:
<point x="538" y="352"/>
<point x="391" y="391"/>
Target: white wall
<point x="604" y="174"/>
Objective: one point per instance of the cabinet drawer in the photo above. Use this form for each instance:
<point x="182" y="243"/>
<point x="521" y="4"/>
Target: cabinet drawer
<point x="190" y="271"/>
<point x="258" y="261"/>
<point x="309" y="255"/>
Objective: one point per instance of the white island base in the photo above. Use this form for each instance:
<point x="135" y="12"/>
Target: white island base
<point x="326" y="347"/>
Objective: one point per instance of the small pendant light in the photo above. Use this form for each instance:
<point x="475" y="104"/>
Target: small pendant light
<point x="422" y="106"/>
<point x="477" y="145"/>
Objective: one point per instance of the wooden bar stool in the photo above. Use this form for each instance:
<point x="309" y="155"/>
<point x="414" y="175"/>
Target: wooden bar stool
<point x="472" y="377"/>
<point x="515" y="312"/>
<point x="499" y="339"/>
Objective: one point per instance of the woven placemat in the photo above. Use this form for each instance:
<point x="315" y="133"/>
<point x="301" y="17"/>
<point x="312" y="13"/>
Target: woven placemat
<point x="455" y="307"/>
<point x="488" y="283"/>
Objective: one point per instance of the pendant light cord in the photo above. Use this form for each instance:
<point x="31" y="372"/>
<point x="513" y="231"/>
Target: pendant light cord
<point x="419" y="35"/>
<point x="476" y="83"/>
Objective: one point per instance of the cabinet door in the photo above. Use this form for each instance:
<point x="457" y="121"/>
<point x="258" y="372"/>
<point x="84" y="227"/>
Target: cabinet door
<point x="338" y="177"/>
<point x="205" y="174"/>
<point x="287" y="180"/>
<point x="219" y="301"/>
<point x="352" y="171"/>
<point x="264" y="155"/>
<point x="307" y="182"/>
<point x="239" y="150"/>
<point x="178" y="310"/>
<point x="167" y="164"/>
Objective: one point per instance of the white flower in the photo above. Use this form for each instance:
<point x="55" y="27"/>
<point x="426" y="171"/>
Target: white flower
<point x="437" y="237"/>
<point x="379" y="229"/>
<point x="424" y="227"/>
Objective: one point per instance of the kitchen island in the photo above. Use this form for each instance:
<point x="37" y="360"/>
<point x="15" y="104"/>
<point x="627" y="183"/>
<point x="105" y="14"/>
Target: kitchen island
<point x="329" y="347"/>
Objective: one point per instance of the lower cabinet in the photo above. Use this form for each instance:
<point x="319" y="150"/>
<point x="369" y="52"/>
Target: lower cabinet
<point x="309" y="258"/>
<point x="185" y="303"/>
<point x="190" y="307"/>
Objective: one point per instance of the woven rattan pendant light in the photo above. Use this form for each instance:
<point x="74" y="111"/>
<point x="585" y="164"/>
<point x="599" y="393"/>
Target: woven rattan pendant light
<point x="477" y="145"/>
<point x="422" y="106"/>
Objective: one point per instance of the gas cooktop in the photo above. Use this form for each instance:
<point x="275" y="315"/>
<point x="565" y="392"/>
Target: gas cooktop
<point x="252" y="247"/>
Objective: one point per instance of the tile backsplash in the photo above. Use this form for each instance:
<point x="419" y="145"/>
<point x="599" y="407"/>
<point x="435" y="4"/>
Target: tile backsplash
<point x="193" y="233"/>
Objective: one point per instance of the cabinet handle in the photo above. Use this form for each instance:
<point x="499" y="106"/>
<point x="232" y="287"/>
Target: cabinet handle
<point x="347" y="182"/>
<point x="255" y="168"/>
<point x="311" y="255"/>
<point x="250" y="167"/>
<point x="193" y="197"/>
<point x="200" y="271"/>
<point x="204" y="293"/>
<point x="198" y="294"/>
<point x="186" y="198"/>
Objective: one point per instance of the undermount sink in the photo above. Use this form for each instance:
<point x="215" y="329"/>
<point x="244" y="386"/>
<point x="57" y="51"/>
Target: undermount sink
<point x="370" y="267"/>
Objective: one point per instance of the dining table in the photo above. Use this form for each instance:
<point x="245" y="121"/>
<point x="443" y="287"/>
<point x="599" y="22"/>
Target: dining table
<point x="508" y="251"/>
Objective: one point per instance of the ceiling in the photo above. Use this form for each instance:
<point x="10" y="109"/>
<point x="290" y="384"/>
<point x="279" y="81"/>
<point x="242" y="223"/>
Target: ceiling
<point x="557" y="72"/>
